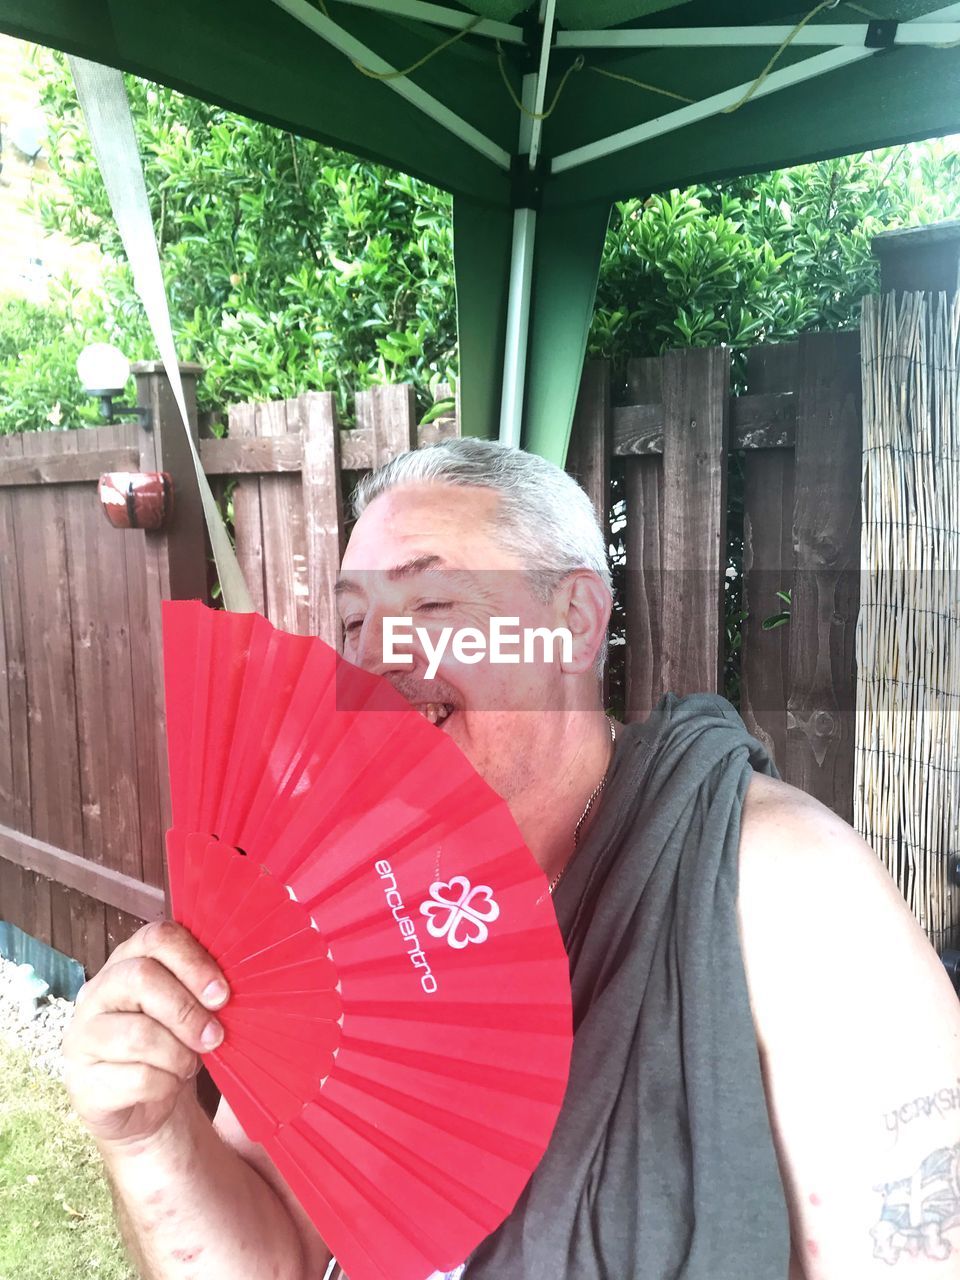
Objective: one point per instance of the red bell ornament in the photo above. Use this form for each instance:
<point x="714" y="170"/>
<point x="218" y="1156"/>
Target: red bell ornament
<point x="136" y="499"/>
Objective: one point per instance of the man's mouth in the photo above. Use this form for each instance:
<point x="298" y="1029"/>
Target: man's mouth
<point x="436" y="712"/>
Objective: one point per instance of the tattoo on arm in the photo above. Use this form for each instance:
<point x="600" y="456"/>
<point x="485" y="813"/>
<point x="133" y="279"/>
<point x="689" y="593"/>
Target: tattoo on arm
<point x="929" y="1104"/>
<point x="918" y="1210"/>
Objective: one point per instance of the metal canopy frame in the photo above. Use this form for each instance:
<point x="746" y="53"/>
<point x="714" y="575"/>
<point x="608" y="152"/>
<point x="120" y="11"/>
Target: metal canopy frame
<point x="441" y="17"/>
<point x="341" y="39"/>
<point x="822" y="35"/>
<point x="845" y="44"/>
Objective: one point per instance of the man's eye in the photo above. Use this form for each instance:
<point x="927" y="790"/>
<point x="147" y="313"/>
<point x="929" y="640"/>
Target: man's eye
<point x="353" y="625"/>
<point x="434" y="605"/>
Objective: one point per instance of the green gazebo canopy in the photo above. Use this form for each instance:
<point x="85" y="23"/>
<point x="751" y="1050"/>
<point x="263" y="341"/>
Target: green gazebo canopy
<point x="537" y="118"/>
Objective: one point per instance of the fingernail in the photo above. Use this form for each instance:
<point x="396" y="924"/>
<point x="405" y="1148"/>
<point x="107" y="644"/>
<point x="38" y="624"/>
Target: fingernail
<point x="212" y="1034"/>
<point x="215" y="993"/>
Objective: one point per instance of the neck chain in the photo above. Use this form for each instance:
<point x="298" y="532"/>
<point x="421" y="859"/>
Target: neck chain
<point x="586" y="809"/>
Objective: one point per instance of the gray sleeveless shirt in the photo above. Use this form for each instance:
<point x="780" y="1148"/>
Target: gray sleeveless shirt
<point x="662" y="1164"/>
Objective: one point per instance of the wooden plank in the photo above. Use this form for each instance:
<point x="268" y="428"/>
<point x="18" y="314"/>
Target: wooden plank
<point x="234" y="455"/>
<point x="643" y="591"/>
<point x="437" y="431"/>
<point x="238" y="455"/>
<point x="762" y="421"/>
<point x="767" y="562"/>
<point x="588" y="455"/>
<point x="356" y="449"/>
<point x="821" y="709"/>
<point x="60" y="468"/>
<point x="322" y="502"/>
<point x="61" y="923"/>
<point x="88" y="925"/>
<point x="248" y="527"/>
<point x="41" y="535"/>
<point x="146" y="700"/>
<point x="14" y="725"/>
<point x="696" y="396"/>
<point x="11" y="893"/>
<point x="284" y="536"/>
<point x="122" y="925"/>
<point x="103" y="672"/>
<point x="48" y="862"/>
<point x="389" y="413"/>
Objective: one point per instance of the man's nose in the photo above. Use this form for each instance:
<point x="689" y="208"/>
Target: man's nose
<point x="370" y="649"/>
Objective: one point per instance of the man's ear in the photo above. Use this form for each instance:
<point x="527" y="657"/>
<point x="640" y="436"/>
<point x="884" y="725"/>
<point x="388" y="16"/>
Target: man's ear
<point x="584" y="604"/>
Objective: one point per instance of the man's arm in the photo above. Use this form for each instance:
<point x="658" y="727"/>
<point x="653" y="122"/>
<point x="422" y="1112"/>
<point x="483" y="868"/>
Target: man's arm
<point x="858" y="1028"/>
<point x="190" y="1206"/>
<point x="189" y="1203"/>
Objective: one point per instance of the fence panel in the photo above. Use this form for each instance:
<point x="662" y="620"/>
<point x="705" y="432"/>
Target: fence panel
<point x="83" y="785"/>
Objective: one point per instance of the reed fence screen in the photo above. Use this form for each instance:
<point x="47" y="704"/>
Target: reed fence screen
<point x="908" y="646"/>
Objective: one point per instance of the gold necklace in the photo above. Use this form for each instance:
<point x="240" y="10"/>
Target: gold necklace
<point x="586" y="809"/>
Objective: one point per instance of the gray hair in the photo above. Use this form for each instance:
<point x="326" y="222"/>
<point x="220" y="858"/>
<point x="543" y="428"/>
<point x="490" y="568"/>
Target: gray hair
<point x="545" y="518"/>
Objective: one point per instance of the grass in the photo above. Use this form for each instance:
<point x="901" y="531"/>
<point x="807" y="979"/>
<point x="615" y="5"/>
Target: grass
<point x="56" y="1220"/>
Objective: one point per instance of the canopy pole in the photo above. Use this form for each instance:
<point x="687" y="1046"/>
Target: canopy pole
<point x="518" y="326"/>
<point x="524" y="242"/>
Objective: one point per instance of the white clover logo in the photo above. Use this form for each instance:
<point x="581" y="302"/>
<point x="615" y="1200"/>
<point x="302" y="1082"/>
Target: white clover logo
<point x="459" y="912"/>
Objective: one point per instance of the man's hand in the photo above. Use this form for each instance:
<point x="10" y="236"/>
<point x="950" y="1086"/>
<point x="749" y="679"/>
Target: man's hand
<point x="138" y="1027"/>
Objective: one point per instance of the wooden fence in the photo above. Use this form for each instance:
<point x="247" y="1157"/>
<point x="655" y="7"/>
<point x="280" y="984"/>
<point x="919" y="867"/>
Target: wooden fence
<point x="83" y="777"/>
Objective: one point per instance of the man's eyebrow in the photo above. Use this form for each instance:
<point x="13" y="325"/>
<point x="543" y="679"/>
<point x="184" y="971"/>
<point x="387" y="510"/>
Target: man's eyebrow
<point x="406" y="570"/>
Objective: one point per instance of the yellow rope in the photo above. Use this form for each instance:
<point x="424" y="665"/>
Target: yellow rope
<point x="414" y="66"/>
<point x="762" y="77"/>
<point x="535" y="115"/>
<point x="640" y="84"/>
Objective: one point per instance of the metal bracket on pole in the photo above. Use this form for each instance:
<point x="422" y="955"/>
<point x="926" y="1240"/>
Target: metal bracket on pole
<point x="526" y="184"/>
<point x="881" y="35"/>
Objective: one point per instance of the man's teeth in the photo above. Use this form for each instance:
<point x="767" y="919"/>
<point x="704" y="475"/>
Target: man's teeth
<point x="435" y="712"/>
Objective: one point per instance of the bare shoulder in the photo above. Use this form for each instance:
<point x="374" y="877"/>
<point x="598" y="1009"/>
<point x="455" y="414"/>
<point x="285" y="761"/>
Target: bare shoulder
<point x="815" y="898"/>
<point x="858" y="1029"/>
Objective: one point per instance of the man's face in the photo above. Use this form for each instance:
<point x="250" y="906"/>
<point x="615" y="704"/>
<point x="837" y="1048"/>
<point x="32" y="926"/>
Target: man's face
<point x="428" y="553"/>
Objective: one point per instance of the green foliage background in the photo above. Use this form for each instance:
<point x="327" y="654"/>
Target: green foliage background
<point x="292" y="267"/>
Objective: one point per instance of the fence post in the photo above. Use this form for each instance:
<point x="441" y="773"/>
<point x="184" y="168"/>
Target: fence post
<point x="643" y="591"/>
<point x="696" y="400"/>
<point x="323" y="509"/>
<point x="175" y="557"/>
<point x="176" y="550"/>
<point x="591" y="438"/>
<point x="767" y="561"/>
<point x="821" y="711"/>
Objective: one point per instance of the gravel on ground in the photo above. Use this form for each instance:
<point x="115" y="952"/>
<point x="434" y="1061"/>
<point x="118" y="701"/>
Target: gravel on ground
<point x="41" y="1036"/>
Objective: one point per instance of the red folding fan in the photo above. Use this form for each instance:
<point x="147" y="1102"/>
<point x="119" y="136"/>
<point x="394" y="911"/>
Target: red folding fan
<point x="399" y="1029"/>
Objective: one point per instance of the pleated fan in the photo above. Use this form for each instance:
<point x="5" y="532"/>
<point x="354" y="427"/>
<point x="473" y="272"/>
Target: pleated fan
<point x="399" y="1029"/>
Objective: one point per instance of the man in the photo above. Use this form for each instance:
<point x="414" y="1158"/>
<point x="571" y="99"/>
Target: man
<point x="756" y="1091"/>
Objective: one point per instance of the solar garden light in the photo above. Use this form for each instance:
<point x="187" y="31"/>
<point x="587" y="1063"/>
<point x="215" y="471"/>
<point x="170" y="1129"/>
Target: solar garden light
<point x="103" y="371"/>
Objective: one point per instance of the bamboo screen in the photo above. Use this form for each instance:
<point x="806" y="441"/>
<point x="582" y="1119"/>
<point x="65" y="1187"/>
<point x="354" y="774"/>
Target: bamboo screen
<point x="907" y="794"/>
